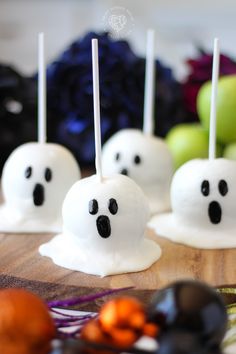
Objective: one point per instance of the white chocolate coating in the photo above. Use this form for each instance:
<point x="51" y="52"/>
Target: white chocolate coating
<point x="203" y="197"/>
<point x="154" y="171"/>
<point x="35" y="180"/>
<point x="118" y="246"/>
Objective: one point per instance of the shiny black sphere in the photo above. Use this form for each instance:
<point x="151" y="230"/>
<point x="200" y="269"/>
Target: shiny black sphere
<point x="193" y="307"/>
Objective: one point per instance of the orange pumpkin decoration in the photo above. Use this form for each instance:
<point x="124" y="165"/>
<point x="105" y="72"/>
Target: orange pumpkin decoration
<point x="26" y="326"/>
<point x="121" y="322"/>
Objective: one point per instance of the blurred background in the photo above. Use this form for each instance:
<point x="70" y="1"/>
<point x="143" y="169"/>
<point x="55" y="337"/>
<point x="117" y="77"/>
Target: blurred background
<point x="180" y="27"/>
<point x="184" y="41"/>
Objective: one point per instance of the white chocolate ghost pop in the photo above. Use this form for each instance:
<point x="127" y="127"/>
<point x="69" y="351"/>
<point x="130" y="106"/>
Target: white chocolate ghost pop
<point x="203" y="194"/>
<point x="104" y="218"/>
<point x="37" y="176"/>
<point x="139" y="154"/>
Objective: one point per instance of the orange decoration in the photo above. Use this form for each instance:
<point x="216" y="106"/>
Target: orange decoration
<point x="92" y="332"/>
<point x="121" y="322"/>
<point x="25" y="323"/>
<point x="123" y="312"/>
<point x="150" y="330"/>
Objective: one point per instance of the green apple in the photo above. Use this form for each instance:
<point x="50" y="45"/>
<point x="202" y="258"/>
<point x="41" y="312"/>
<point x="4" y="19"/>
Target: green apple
<point x="187" y="142"/>
<point x="230" y="152"/>
<point x="226" y="108"/>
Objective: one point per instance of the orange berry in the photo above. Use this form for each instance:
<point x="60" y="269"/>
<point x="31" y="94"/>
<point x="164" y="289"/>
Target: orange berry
<point x="125" y="311"/>
<point x="108" y="315"/>
<point x="92" y="332"/>
<point x="150" y="330"/>
<point x="137" y="320"/>
<point x="123" y="338"/>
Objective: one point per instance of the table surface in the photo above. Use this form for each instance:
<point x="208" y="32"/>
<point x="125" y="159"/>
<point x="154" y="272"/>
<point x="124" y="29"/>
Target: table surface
<point x="21" y="265"/>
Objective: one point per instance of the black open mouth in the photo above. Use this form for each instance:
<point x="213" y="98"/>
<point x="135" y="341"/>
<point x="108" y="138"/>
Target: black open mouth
<point x="38" y="194"/>
<point x="215" y="212"/>
<point x="103" y="226"/>
<point x="124" y="172"/>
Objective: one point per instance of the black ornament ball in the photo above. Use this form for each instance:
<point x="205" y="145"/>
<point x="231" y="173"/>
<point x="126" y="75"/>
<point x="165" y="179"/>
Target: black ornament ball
<point x="193" y="307"/>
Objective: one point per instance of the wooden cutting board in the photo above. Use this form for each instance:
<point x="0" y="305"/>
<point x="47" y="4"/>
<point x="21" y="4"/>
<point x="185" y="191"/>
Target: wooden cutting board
<point x="21" y="265"/>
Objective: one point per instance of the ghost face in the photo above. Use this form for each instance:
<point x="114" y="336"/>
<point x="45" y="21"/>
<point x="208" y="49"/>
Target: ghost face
<point x="103" y="228"/>
<point x="203" y="193"/>
<point x="130" y="153"/>
<point x="36" y="178"/>
<point x="107" y="216"/>
<point x="146" y="159"/>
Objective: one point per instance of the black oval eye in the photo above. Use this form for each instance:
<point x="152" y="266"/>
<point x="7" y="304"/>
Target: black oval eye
<point x="93" y="207"/>
<point x="137" y="159"/>
<point x="117" y="156"/>
<point x="48" y="174"/>
<point x="223" y="187"/>
<point x="112" y="206"/>
<point x="28" y="172"/>
<point x="205" y="188"/>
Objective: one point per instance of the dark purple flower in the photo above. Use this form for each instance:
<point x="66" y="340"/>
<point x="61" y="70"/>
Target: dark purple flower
<point x="70" y="96"/>
<point x="18" y="110"/>
<point x="200" y="72"/>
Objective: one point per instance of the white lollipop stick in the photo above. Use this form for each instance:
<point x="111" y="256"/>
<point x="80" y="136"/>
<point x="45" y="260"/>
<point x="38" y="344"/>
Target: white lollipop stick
<point x="148" y="123"/>
<point x="41" y="91"/>
<point x="96" y="108"/>
<point x="215" y="75"/>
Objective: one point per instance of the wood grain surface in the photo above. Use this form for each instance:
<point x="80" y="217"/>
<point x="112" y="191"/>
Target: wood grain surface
<point x="21" y="265"/>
